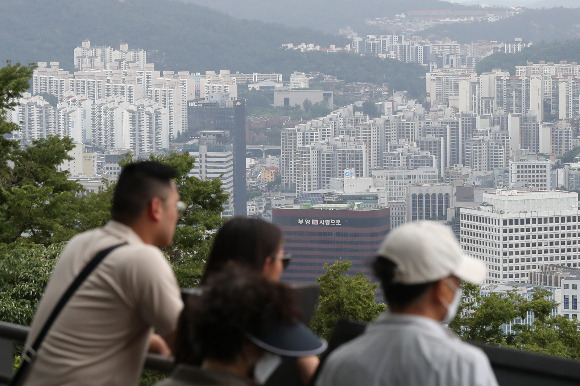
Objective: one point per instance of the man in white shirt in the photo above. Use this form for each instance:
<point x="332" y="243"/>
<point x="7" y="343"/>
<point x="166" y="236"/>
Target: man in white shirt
<point x="420" y="266"/>
<point x="102" y="335"/>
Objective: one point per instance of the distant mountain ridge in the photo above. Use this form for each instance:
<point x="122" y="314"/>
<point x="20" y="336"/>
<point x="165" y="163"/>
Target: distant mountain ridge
<point x="323" y="15"/>
<point x="535" y="25"/>
<point x="183" y="37"/>
<point x="568" y="50"/>
<point x="171" y="31"/>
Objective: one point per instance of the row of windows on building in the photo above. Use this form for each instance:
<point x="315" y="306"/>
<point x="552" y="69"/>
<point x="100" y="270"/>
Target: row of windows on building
<point x="523" y="241"/>
<point x="532" y="166"/>
<point x="518" y="230"/>
<point x="482" y="234"/>
<point x="469" y="248"/>
<point x="477" y="220"/>
<point x="334" y="234"/>
<point x="567" y="302"/>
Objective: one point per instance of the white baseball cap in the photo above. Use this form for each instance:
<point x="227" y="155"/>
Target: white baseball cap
<point x="427" y="251"/>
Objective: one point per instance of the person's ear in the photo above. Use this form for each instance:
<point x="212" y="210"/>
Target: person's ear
<point x="438" y="292"/>
<point x="267" y="264"/>
<point x="155" y="208"/>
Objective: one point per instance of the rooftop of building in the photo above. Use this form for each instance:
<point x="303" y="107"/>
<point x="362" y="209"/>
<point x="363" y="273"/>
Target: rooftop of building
<point x="529" y="203"/>
<point x="511" y="286"/>
<point x="531" y="194"/>
<point x="355" y="206"/>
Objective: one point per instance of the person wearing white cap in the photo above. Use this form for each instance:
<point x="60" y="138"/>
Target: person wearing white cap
<point x="420" y="266"/>
<point x="237" y="326"/>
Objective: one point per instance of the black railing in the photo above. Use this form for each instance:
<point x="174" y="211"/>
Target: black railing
<point x="511" y="367"/>
<point x="10" y="333"/>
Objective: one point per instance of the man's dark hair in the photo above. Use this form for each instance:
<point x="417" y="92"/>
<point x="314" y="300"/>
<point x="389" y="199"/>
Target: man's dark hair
<point x="138" y="184"/>
<point x="247" y="241"/>
<point x="396" y="294"/>
<point x="234" y="303"/>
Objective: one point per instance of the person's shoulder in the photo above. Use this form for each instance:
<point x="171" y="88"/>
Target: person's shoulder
<point x="345" y="365"/>
<point x="142" y="257"/>
<point x="466" y="352"/>
<point x="141" y="251"/>
<point x="80" y="242"/>
<point x="348" y="352"/>
<point x="83" y="237"/>
<point x="475" y="364"/>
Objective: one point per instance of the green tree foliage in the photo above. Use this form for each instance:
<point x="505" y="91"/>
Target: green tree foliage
<point x="480" y="319"/>
<point x="343" y="296"/>
<point x="13" y="82"/>
<point x="571" y="155"/>
<point x="370" y="108"/>
<point x="34" y="196"/>
<point x="36" y="199"/>
<point x="24" y="272"/>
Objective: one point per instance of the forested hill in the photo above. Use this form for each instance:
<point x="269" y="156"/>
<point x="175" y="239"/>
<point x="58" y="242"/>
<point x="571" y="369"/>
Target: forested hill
<point x="324" y="15"/>
<point x="180" y="36"/>
<point x="186" y="36"/>
<point x="536" y="25"/>
<point x="568" y="50"/>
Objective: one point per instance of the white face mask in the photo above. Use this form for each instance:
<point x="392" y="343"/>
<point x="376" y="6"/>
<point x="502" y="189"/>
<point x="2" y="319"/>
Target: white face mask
<point x="266" y="366"/>
<point x="454" y="305"/>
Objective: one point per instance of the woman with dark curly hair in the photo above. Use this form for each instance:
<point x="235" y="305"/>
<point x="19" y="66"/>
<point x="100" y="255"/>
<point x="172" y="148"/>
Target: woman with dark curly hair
<point x="259" y="246"/>
<point x="237" y="325"/>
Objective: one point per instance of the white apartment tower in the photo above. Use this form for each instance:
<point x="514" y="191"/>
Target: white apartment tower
<point x="36" y="117"/>
<point x="515" y="233"/>
<point x="101" y="57"/>
<point x="214" y="158"/>
<point x="50" y="79"/>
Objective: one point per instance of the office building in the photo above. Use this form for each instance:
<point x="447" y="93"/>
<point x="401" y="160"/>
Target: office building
<point x="322" y="234"/>
<point x="298" y="97"/>
<point x="396" y="182"/>
<point x="429" y="202"/>
<point x="515" y="233"/>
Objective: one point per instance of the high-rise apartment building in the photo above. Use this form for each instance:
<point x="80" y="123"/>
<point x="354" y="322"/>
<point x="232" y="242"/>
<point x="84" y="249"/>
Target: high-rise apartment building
<point x="225" y="115"/>
<point x="105" y="57"/>
<point x="408" y="156"/>
<point x="36" y="117"/>
<point x="214" y="158"/>
<point x="531" y="173"/>
<point x="443" y="83"/>
<point x="488" y="150"/>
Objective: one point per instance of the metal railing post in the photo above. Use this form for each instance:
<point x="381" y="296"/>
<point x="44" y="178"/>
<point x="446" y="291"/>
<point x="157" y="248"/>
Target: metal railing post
<point x="6" y="360"/>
